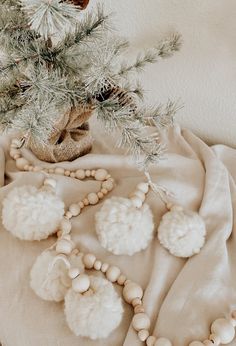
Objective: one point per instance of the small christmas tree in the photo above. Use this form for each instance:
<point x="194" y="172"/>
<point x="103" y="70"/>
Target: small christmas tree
<point x="56" y="62"/>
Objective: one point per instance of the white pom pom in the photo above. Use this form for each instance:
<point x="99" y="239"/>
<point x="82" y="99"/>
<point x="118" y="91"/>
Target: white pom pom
<point x="94" y="315"/>
<point x="182" y="232"/>
<point x="49" y="277"/>
<point x="122" y="228"/>
<point x="31" y="214"/>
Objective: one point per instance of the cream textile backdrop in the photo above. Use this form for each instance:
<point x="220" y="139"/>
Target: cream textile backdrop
<point x="203" y="74"/>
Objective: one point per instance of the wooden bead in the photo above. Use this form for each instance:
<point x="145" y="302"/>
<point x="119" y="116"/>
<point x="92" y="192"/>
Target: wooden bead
<point x="86" y="201"/>
<point x="72" y="174"/>
<point x="81" y="205"/>
<point x="89" y="260"/>
<point x="97" y="265"/>
<point x="138" y="309"/>
<point x="141" y="321"/>
<point x="140" y="195"/>
<point x="93" y="173"/>
<point x="224" y="329"/>
<point x="104" y="191"/>
<point x="207" y="343"/>
<point x="132" y="291"/>
<point x="14" y="152"/>
<point x="50" y="182"/>
<point x="108" y="185"/>
<point x="69" y="214"/>
<point x="26" y="167"/>
<point x="92" y="198"/>
<point x="21" y="163"/>
<point x="104" y="267"/>
<point x="64" y="246"/>
<point x="136" y="301"/>
<point x="121" y="280"/>
<point x="137" y="203"/>
<point x="144" y="187"/>
<point x="151" y="340"/>
<point x="215" y="339"/>
<point x="74" y="209"/>
<point x="113" y="273"/>
<point x="80" y="174"/>
<point x="87" y="173"/>
<point x="100" y="174"/>
<point x="65" y="226"/>
<point x="196" y="343"/>
<point x="100" y="195"/>
<point x="67" y="173"/>
<point x="81" y="284"/>
<point x="143" y="334"/>
<point x="59" y="170"/>
<point x="73" y="273"/>
<point x="163" y="342"/>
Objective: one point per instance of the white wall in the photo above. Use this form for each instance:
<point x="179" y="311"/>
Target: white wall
<point x="203" y="74"/>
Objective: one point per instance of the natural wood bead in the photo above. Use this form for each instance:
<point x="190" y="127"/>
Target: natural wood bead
<point x="97" y="265"/>
<point x="140" y="195"/>
<point x="137" y="203"/>
<point x="196" y="343"/>
<point x="74" y="209"/>
<point x="17" y="156"/>
<point x="104" y="267"/>
<point x="92" y="198"/>
<point x="141" y="321"/>
<point x="50" y="182"/>
<point x="104" y="191"/>
<point x="67" y="173"/>
<point x="21" y="163"/>
<point x="64" y="246"/>
<point x="224" y="329"/>
<point x="81" y="205"/>
<point x="31" y="168"/>
<point x="143" y="334"/>
<point x="108" y="185"/>
<point x="150" y="340"/>
<point x="144" y="187"/>
<point x="100" y="195"/>
<point x="215" y="339"/>
<point x="100" y="174"/>
<point x="59" y="170"/>
<point x="207" y="343"/>
<point x="73" y="273"/>
<point x="80" y="174"/>
<point x="138" y="309"/>
<point x="136" y="301"/>
<point x="65" y="226"/>
<point x="121" y="280"/>
<point x="89" y="260"/>
<point x="163" y="342"/>
<point x="113" y="273"/>
<point x="87" y="173"/>
<point x="81" y="283"/>
<point x="86" y="201"/>
<point x="72" y="174"/>
<point x="93" y="173"/>
<point x="14" y="152"/>
<point x="26" y="167"/>
<point x="132" y="291"/>
<point x="69" y="214"/>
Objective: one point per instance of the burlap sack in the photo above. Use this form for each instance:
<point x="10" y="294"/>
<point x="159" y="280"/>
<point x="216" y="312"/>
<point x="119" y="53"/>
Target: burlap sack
<point x="69" y="140"/>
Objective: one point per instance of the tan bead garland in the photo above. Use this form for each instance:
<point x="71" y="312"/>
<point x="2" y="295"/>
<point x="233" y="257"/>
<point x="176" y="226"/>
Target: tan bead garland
<point x="222" y="330"/>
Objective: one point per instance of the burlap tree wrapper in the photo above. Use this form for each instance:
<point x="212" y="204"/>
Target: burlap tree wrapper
<point x="69" y="140"/>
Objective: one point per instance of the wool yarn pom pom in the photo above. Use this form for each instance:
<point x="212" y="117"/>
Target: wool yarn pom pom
<point x="31" y="214"/>
<point x="50" y="281"/>
<point x="182" y="232"/>
<point x="94" y="315"/>
<point x="122" y="228"/>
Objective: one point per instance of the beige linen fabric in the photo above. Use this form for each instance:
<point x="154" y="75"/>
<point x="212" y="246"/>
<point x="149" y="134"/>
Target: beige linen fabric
<point x="182" y="297"/>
